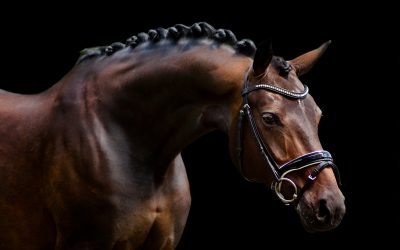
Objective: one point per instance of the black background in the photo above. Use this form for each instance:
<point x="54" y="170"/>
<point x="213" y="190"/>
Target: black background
<point x="354" y="84"/>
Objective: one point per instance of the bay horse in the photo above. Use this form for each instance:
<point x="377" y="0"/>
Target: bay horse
<point x="94" y="162"/>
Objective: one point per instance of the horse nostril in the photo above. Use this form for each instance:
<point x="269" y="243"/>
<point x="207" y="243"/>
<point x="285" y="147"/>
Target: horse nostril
<point x="324" y="213"/>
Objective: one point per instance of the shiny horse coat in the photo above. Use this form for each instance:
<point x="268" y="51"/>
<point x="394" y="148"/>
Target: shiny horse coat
<point x="94" y="162"/>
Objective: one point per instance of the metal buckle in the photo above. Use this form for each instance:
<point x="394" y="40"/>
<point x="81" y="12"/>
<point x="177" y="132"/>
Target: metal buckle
<point x="312" y="177"/>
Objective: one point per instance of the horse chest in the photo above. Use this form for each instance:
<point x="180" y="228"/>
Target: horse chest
<point x="161" y="219"/>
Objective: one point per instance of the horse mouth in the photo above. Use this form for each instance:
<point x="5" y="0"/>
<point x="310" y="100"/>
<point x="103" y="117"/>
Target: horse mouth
<point x="321" y="217"/>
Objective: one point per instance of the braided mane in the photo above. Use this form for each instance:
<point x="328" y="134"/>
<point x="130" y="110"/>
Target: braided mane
<point x="196" y="31"/>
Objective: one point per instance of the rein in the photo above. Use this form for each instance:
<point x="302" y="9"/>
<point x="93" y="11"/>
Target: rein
<point x="321" y="157"/>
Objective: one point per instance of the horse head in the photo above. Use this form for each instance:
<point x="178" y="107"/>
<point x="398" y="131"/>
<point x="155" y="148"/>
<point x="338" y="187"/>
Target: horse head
<point x="278" y="142"/>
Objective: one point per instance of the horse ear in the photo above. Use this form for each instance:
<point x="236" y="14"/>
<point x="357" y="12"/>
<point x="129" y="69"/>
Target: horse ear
<point x="262" y="57"/>
<point x="302" y="64"/>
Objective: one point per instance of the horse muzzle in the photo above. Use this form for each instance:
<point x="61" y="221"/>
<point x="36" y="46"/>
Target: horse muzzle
<point x="322" y="209"/>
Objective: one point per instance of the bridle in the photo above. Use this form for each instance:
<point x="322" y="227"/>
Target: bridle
<point x="321" y="157"/>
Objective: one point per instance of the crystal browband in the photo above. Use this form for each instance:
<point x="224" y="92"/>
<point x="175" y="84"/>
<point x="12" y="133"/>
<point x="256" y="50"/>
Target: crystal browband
<point x="277" y="90"/>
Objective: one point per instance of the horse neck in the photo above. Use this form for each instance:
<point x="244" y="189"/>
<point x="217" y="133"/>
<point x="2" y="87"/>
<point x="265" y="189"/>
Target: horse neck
<point x="158" y="102"/>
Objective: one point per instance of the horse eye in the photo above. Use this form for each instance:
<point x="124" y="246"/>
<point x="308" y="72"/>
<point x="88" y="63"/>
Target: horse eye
<point x="270" y="118"/>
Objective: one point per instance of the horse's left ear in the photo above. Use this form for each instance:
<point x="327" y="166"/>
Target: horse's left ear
<point x="302" y="64"/>
<point x="262" y="57"/>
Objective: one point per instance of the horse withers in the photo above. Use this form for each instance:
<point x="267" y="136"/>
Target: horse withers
<point x="95" y="161"/>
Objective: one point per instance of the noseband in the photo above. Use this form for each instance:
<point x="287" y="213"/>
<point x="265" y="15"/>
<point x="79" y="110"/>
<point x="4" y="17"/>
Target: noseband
<point x="321" y="157"/>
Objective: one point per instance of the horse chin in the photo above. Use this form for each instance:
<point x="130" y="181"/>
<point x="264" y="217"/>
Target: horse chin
<point x="311" y="219"/>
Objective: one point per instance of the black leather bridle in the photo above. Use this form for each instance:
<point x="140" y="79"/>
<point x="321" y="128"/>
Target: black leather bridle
<point x="321" y="157"/>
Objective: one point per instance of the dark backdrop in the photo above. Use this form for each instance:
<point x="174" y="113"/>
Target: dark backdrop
<point x="354" y="84"/>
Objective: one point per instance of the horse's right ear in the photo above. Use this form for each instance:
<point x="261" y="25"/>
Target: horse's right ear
<point x="262" y="57"/>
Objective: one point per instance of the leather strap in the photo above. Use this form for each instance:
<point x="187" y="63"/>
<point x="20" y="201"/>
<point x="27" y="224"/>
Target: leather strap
<point x="316" y="171"/>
